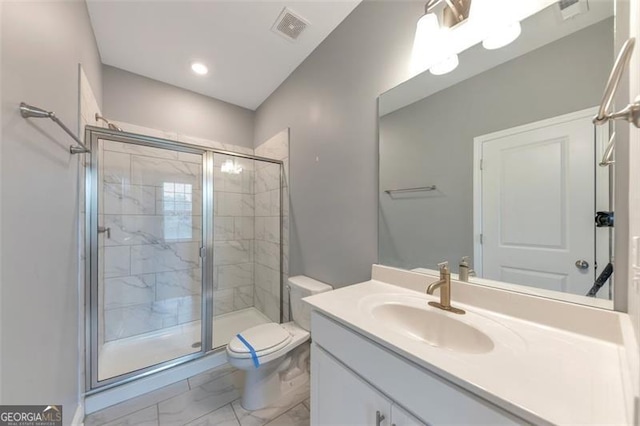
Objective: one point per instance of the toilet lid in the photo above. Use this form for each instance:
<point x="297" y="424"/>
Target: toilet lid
<point x="264" y="339"/>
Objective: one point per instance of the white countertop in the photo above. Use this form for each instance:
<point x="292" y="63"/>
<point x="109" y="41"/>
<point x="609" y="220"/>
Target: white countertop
<point x="540" y="373"/>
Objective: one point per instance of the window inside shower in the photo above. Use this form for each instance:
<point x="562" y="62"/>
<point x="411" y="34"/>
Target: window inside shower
<point x="184" y="251"/>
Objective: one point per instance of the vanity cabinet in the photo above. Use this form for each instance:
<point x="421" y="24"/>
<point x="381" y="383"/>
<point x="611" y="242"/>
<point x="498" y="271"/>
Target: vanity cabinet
<point x="348" y="400"/>
<point x="353" y="377"/>
<point x="345" y="399"/>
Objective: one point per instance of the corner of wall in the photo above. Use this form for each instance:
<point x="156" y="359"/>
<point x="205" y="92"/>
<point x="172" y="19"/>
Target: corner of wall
<point x="1" y="145"/>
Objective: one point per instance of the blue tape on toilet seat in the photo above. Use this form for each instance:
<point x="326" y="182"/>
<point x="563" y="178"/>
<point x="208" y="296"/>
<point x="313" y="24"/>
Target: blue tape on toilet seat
<point x="252" y="351"/>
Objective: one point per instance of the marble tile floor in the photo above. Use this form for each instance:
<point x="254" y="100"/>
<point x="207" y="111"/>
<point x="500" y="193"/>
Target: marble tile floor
<point x="208" y="399"/>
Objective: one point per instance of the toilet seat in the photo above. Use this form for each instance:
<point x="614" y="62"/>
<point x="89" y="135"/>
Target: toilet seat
<point x="275" y="357"/>
<point x="265" y="339"/>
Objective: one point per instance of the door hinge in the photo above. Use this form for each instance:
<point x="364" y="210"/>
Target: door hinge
<point x="481" y="238"/>
<point x="203" y="252"/>
<point x="481" y="164"/>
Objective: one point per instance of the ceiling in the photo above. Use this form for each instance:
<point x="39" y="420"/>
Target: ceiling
<point x="247" y="61"/>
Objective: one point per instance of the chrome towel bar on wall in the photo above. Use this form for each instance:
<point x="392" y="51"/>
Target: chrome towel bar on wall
<point x="418" y="189"/>
<point x="29" y="111"/>
<point x="607" y="157"/>
<point x="631" y="112"/>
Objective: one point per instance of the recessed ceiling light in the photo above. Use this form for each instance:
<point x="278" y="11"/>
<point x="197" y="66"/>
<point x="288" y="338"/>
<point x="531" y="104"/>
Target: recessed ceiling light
<point x="199" y="68"/>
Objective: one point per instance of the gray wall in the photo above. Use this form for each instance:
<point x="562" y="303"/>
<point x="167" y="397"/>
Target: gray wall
<point x="416" y="149"/>
<point x="140" y="100"/>
<point x="42" y="44"/>
<point x="330" y="104"/>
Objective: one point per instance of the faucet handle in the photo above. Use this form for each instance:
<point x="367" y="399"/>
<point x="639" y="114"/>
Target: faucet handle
<point x="444" y="267"/>
<point x="465" y="261"/>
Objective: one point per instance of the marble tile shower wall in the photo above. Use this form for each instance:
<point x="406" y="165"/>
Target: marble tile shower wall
<point x="233" y="230"/>
<point x="267" y="227"/>
<point x="151" y="200"/>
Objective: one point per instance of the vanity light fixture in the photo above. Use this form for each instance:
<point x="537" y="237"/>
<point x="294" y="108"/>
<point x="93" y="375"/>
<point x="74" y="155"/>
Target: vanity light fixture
<point x="434" y="46"/>
<point x="431" y="46"/>
<point x="199" y="68"/>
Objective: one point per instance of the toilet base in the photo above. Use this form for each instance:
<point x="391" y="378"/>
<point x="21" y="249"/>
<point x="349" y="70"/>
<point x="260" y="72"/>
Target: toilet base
<point x="275" y="380"/>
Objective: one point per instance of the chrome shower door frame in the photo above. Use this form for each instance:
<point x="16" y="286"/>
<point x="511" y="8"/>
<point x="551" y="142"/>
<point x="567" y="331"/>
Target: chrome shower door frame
<point x="92" y="136"/>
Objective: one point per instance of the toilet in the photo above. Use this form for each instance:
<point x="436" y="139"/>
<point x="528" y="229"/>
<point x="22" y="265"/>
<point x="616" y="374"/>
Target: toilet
<point x="275" y="357"/>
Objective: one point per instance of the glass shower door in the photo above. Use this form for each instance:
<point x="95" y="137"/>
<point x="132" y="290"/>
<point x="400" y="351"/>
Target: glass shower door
<point x="247" y="248"/>
<point x="147" y="283"/>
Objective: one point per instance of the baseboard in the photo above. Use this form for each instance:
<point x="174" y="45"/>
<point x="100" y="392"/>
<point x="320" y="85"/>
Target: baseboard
<point x="78" y="416"/>
<point x="112" y="396"/>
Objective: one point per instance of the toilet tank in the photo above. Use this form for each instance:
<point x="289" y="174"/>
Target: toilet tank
<point x="300" y="287"/>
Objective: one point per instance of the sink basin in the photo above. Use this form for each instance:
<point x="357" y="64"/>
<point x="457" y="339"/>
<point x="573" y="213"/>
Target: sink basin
<point x="431" y="326"/>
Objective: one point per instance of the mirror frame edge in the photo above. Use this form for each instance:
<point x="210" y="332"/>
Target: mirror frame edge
<point x="622" y="173"/>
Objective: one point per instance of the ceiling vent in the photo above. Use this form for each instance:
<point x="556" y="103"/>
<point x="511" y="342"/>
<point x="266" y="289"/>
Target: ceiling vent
<point x="571" y="8"/>
<point x="289" y="25"/>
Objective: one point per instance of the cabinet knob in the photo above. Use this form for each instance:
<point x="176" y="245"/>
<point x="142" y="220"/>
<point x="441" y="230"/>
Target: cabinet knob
<point x="379" y="418"/>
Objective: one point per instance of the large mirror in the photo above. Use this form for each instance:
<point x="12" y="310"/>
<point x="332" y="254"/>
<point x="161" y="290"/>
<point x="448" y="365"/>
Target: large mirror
<point x="498" y="161"/>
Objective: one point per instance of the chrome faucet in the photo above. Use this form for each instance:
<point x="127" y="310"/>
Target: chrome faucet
<point x="444" y="284"/>
<point x="464" y="270"/>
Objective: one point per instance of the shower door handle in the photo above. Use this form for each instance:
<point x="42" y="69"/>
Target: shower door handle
<point x="103" y="230"/>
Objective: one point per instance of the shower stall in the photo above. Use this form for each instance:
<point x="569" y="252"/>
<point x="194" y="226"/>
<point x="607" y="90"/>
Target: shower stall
<point x="183" y="251"/>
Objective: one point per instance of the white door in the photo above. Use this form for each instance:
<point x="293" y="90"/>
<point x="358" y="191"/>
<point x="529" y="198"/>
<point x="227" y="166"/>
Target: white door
<point x="340" y="398"/>
<point x="537" y="198"/>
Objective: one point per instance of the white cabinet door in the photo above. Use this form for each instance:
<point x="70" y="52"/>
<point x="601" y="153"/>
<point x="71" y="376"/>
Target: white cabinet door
<point x="340" y="398"/>
<point x="400" y="417"/>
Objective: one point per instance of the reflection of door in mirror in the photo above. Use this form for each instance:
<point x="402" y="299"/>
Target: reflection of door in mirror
<point x="536" y="203"/>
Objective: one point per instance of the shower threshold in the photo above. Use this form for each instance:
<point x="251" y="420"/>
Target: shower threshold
<point x="134" y="353"/>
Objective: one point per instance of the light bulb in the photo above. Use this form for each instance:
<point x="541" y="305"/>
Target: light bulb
<point x="445" y="59"/>
<point x="502" y="37"/>
<point x="199" y="68"/>
<point x="427" y="36"/>
<point x="445" y="66"/>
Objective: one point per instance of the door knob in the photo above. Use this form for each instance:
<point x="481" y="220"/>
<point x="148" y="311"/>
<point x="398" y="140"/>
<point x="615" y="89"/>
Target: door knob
<point x="582" y="264"/>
